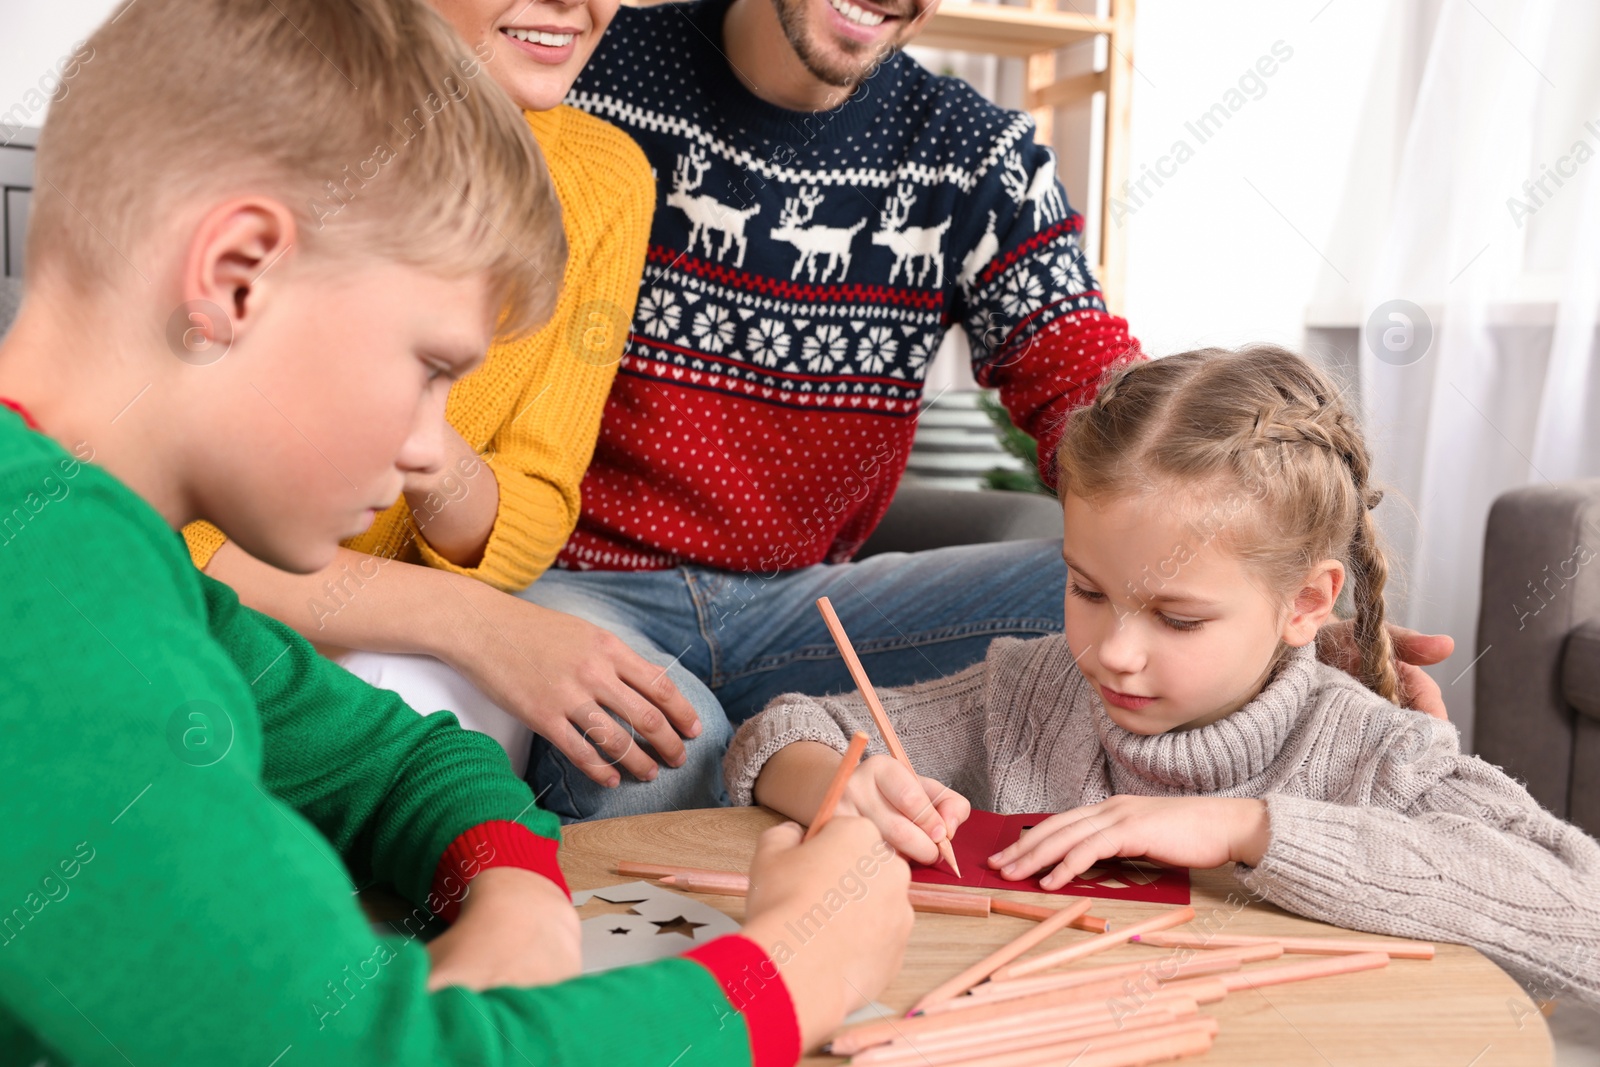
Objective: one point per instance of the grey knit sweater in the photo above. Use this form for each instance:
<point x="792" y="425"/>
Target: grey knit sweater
<point x="1379" y="822"/>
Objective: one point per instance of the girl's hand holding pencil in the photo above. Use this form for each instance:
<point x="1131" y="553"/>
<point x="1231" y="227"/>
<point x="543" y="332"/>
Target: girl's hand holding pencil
<point x="1183" y="831"/>
<point x="914" y="813"/>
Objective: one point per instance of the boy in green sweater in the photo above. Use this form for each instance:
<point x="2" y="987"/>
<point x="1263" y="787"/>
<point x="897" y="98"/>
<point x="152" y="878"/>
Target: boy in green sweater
<point x="190" y="793"/>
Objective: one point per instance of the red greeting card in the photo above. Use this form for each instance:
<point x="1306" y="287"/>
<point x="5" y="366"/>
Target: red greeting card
<point x="985" y="833"/>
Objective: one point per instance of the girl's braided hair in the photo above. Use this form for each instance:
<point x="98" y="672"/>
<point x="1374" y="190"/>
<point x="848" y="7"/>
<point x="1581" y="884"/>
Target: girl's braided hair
<point x="1259" y="449"/>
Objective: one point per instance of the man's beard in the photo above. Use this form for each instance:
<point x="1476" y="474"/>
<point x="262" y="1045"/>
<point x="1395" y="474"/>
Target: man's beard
<point x="793" y="20"/>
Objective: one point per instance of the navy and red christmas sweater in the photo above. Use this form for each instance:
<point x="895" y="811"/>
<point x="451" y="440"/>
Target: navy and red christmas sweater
<point x="802" y="271"/>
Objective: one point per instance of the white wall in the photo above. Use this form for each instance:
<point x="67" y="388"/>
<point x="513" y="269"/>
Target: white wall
<point x="35" y="40"/>
<point x="1211" y="260"/>
<point x="1229" y="249"/>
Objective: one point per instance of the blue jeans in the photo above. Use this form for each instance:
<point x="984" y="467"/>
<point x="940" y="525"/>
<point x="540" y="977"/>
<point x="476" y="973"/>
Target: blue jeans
<point x="733" y="641"/>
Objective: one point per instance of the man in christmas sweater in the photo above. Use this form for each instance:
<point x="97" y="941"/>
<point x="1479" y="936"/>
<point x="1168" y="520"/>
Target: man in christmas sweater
<point x="827" y="209"/>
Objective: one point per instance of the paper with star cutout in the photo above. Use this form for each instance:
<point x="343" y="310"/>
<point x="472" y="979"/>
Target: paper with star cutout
<point x="637" y="922"/>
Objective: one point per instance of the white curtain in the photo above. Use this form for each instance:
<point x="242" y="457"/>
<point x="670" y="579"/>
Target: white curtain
<point x="1476" y="198"/>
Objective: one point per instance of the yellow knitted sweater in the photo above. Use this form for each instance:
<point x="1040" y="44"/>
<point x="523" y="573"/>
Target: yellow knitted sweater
<point x="534" y="406"/>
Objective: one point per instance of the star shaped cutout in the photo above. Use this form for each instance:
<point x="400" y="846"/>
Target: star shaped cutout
<point x="678" y="925"/>
<point x="598" y="906"/>
<point x="619" y="930"/>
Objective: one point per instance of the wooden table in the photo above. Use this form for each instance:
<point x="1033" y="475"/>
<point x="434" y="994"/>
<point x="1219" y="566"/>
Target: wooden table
<point x="1457" y="1010"/>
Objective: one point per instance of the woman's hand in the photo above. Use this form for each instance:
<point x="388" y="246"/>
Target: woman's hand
<point x="1183" y="831"/>
<point x="515" y="928"/>
<point x="1336" y="646"/>
<point x="455" y="504"/>
<point x="570" y="682"/>
<point x="911" y="812"/>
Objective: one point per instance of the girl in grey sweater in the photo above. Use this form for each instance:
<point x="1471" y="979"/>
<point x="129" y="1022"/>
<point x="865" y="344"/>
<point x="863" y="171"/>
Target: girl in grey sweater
<point x="1215" y="504"/>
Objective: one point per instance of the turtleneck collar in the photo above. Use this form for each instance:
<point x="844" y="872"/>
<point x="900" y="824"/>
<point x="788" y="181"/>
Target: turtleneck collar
<point x="1218" y="757"/>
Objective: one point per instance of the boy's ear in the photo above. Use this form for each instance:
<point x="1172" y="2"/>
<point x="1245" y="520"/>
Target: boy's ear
<point x="1313" y="604"/>
<point x="235" y="244"/>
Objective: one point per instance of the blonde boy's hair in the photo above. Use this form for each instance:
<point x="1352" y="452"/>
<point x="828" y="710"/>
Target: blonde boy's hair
<point x="1256" y="449"/>
<point x="369" y="119"/>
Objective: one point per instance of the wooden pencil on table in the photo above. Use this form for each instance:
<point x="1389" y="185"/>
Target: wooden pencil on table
<point x="1000" y="957"/>
<point x="841" y="778"/>
<point x="1007" y="1018"/>
<point x="1175" y="917"/>
<point x="891" y="740"/>
<point x="1315" y="946"/>
<point x="943" y="1048"/>
<point x="1189" y="1038"/>
<point x="735" y="884"/>
<point x="1167" y="969"/>
<point x="1039" y="912"/>
<point x="1066" y="1043"/>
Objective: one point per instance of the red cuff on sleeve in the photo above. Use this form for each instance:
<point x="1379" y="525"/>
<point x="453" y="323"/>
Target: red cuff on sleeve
<point x="752" y="984"/>
<point x="27" y="416"/>
<point x="497" y="843"/>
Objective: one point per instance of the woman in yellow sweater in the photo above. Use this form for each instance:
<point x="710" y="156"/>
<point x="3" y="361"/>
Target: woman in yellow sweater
<point x="419" y="602"/>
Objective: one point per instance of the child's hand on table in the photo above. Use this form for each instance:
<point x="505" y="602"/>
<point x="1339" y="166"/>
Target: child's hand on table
<point x="516" y="928"/>
<point x="857" y="949"/>
<point x="912" y="813"/>
<point x="1183" y="831"/>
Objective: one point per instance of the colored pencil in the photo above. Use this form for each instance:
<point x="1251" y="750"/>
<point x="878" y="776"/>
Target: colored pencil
<point x="1113" y="997"/>
<point x="891" y="740"/>
<point x="734" y="884"/>
<point x="1167" y="969"/>
<point x="1000" y="1019"/>
<point x="1112" y="939"/>
<point x="1303" y="970"/>
<point x="1000" y="956"/>
<point x="935" y="1048"/>
<point x="841" y="778"/>
<point x="1314" y="946"/>
<point x="1039" y="912"/>
<point x="1187" y="1039"/>
<point x="1065" y="1043"/>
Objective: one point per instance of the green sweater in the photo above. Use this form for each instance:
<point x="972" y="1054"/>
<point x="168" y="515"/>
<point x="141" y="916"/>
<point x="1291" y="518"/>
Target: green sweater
<point x="191" y="797"/>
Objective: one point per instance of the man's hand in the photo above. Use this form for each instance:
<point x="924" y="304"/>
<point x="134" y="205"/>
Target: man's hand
<point x="1336" y="646"/>
<point x="1184" y="831"/>
<point x="515" y="928"/>
<point x="570" y="682"/>
<point x="857" y="948"/>
<point x="912" y="813"/>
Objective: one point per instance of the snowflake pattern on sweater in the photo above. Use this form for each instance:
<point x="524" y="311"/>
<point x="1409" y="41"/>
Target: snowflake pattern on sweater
<point x="802" y="271"/>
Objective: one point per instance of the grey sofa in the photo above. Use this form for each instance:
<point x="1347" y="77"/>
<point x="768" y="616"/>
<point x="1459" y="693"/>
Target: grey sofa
<point x="1538" y="681"/>
<point x="921" y="517"/>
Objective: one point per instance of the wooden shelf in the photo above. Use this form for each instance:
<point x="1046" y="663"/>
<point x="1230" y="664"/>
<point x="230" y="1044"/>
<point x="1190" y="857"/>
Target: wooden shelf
<point x="1034" y="33"/>
<point x="1007" y="31"/>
